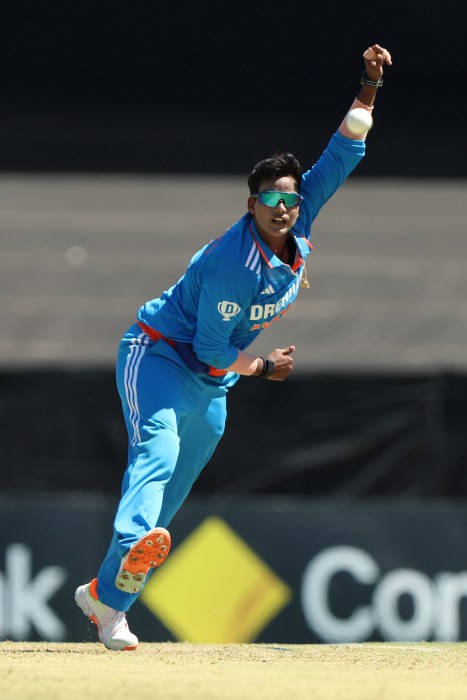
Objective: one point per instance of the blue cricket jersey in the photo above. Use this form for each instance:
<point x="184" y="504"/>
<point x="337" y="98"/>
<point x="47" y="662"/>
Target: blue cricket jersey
<point x="235" y="286"/>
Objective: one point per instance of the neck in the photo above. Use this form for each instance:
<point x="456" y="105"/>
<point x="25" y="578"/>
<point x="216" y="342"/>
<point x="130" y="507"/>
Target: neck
<point x="282" y="251"/>
<point x="277" y="245"/>
<point x="280" y="247"/>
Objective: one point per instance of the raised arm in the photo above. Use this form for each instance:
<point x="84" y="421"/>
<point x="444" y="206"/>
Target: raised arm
<point x="375" y="57"/>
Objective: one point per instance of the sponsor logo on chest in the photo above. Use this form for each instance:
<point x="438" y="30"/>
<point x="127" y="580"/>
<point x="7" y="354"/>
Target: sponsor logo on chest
<point x="265" y="314"/>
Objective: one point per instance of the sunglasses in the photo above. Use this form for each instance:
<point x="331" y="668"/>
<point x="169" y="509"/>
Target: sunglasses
<point x="272" y="198"/>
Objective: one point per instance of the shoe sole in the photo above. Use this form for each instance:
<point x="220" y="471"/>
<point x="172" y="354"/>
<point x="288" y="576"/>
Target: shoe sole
<point x="81" y="602"/>
<point x="150" y="552"/>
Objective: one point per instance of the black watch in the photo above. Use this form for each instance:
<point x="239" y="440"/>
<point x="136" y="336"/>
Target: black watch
<point x="268" y="368"/>
<point x="365" y="80"/>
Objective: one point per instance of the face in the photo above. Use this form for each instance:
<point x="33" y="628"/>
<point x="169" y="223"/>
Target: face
<point x="274" y="223"/>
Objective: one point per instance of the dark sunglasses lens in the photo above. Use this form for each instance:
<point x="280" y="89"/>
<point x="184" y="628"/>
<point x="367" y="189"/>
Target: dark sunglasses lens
<point x="272" y="199"/>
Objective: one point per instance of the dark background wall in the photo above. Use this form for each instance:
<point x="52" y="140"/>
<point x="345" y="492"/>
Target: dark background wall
<point x="213" y="87"/>
<point x="354" y="435"/>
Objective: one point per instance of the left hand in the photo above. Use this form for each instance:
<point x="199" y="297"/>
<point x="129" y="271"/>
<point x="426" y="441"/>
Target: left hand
<point x="375" y="58"/>
<point x="283" y="363"/>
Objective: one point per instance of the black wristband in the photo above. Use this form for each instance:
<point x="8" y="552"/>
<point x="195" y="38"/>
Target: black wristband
<point x="365" y="80"/>
<point x="268" y="368"/>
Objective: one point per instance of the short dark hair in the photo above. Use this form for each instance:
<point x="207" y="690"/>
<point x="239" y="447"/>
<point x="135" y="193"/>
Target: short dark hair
<point x="276" y="166"/>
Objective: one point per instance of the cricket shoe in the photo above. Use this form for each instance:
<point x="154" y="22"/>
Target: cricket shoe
<point x="112" y="626"/>
<point x="149" y="552"/>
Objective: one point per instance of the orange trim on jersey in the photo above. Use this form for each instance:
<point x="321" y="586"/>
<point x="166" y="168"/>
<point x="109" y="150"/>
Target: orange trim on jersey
<point x="212" y="246"/>
<point x="307" y="242"/>
<point x="214" y="372"/>
<point x="156" y="336"/>
<point x="299" y="261"/>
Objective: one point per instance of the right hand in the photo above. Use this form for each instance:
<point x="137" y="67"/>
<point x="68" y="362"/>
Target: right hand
<point x="283" y="363"/>
<point x="375" y="58"/>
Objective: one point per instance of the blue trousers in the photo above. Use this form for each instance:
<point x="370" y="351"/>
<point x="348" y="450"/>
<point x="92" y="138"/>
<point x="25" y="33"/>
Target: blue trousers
<point x="175" y="419"/>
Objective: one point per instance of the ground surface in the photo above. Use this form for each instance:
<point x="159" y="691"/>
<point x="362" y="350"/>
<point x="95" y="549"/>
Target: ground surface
<point x="235" y="672"/>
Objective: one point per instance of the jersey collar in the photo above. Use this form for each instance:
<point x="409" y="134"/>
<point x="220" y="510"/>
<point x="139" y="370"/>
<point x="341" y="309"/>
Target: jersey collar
<point x="271" y="258"/>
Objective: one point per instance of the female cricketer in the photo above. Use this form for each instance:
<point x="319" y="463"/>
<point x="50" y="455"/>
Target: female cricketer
<point x="188" y="347"/>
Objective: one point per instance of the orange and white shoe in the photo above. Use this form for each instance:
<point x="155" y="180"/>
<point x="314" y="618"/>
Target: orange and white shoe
<point x="112" y="626"/>
<point x="149" y="552"/>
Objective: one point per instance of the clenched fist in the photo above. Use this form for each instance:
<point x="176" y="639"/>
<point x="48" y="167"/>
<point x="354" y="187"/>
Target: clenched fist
<point x="283" y="363"/>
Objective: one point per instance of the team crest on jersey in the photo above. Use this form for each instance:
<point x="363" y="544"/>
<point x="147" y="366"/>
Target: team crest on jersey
<point x="228" y="309"/>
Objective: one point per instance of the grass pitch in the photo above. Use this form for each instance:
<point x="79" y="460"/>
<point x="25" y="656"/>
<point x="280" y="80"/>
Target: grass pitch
<point x="173" y="671"/>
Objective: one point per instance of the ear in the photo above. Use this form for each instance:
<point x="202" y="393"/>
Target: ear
<point x="251" y="205"/>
